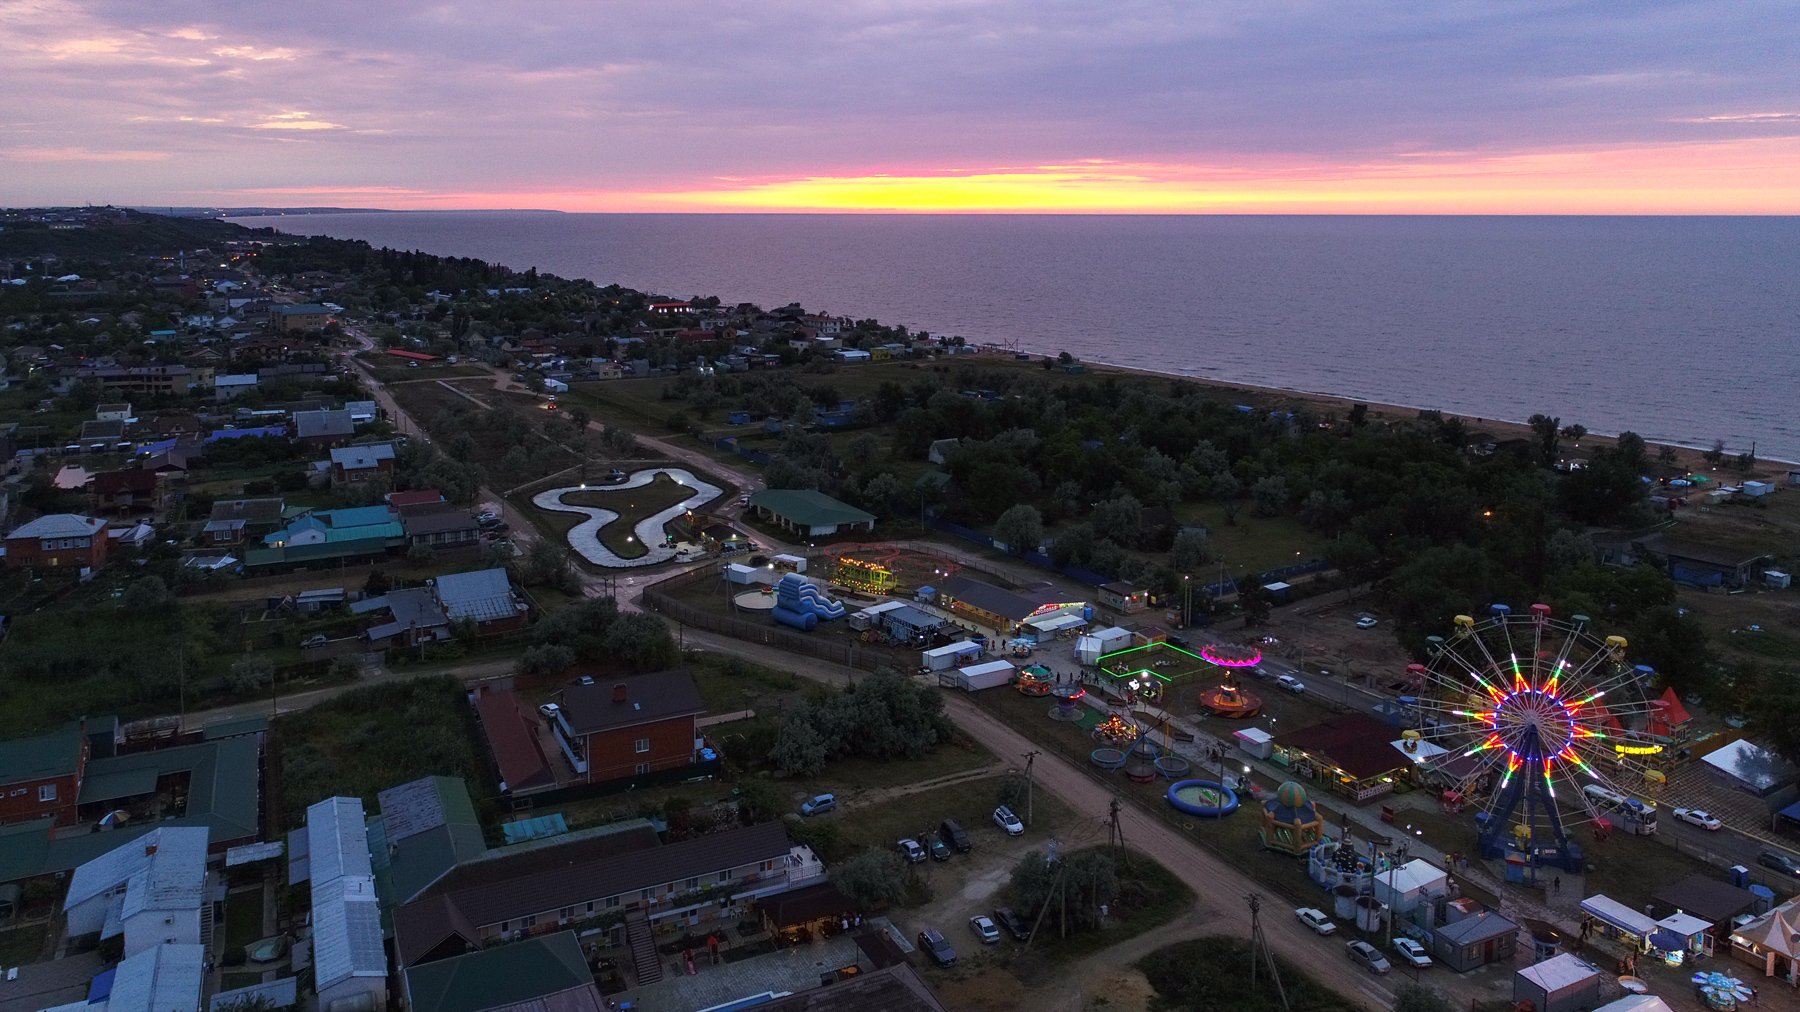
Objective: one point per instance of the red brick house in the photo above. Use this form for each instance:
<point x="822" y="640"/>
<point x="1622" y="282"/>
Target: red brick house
<point x="631" y="726"/>
<point x="41" y="776"/>
<point x="130" y="490"/>
<point x="58" y="541"/>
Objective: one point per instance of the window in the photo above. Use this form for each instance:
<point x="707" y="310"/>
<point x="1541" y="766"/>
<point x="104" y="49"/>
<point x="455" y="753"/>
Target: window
<point x="612" y="901"/>
<point x="724" y="877"/>
<point x="641" y="769"/>
<point x="529" y="920"/>
<point x="505" y="926"/>
<point x="643" y="745"/>
<point x="692" y="884"/>
<point x="47" y="792"/>
<point x="590" y="906"/>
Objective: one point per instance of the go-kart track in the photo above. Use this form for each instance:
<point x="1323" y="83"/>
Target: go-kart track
<point x="584" y="537"/>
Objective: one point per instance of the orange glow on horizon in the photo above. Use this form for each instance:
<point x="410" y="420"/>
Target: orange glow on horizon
<point x="1731" y="177"/>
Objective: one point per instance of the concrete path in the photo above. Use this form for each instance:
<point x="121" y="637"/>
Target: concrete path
<point x="584" y="537"/>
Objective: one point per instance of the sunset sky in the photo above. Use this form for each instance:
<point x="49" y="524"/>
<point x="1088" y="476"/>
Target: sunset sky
<point x="921" y="105"/>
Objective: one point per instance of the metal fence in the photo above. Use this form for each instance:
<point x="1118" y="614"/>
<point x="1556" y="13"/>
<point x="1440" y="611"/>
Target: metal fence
<point x="659" y="597"/>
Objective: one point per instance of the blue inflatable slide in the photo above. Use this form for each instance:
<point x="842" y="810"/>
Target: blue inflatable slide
<point x="802" y="605"/>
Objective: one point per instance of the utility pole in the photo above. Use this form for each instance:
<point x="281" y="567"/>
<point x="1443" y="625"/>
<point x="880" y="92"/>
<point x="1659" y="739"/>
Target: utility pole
<point x="1030" y="758"/>
<point x="1395" y="859"/>
<point x="1115" y="831"/>
<point x="1259" y="942"/>
<point x="1187" y="605"/>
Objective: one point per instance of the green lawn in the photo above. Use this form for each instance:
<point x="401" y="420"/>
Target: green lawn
<point x="243" y="918"/>
<point x="1208" y="973"/>
<point x="954" y="756"/>
<point x="229" y="981"/>
<point x="970" y="802"/>
<point x="633" y="506"/>
<point x="1149" y="897"/>
<point x="22" y="945"/>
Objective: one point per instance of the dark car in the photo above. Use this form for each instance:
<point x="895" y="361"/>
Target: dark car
<point x="1779" y="861"/>
<point x="1013" y="923"/>
<point x="952" y="833"/>
<point x="940" y="851"/>
<point x="937" y="947"/>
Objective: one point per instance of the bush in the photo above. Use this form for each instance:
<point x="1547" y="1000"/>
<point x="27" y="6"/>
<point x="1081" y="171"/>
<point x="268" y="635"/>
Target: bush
<point x="874" y="879"/>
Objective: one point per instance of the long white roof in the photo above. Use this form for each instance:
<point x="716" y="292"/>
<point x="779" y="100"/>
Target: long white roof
<point x="160" y="978"/>
<point x="59" y="525"/>
<point x="346" y="917"/>
<point x="337" y="841"/>
<point x="165" y="869"/>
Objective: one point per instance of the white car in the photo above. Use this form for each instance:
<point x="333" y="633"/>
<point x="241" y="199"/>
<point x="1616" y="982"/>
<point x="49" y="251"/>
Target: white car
<point x="985" y="929"/>
<point x="1366" y="955"/>
<point x="1291" y="684"/>
<point x="1316" y="920"/>
<point x="1698" y="817"/>
<point x="1365" y="621"/>
<point x="1008" y="822"/>
<point x="549" y="711"/>
<point x="909" y="848"/>
<point x="1412" y="953"/>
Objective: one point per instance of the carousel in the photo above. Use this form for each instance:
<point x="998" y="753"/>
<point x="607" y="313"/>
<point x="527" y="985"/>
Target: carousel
<point x="1230" y="700"/>
<point x="1034" y="680"/>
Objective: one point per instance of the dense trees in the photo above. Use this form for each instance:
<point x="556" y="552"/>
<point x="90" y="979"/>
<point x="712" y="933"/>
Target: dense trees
<point x="885" y="716"/>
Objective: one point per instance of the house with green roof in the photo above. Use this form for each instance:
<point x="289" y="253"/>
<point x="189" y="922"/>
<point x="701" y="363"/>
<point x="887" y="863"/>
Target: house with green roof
<point x="40" y="776"/>
<point x="546" y="972"/>
<point x="809" y="513"/>
<point x="426" y="828"/>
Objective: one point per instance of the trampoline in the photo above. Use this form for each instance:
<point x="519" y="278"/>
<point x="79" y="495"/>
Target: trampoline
<point x="1207" y="799"/>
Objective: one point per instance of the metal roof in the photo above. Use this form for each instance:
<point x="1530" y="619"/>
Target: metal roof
<point x="1558" y="972"/>
<point x="590" y="709"/>
<point x="159" y="978"/>
<point x="809" y="508"/>
<point x="346" y="930"/>
<point x="349" y="457"/>
<point x="323" y="423"/>
<point x="42" y="756"/>
<point x="483" y="595"/>
<point x="165" y="869"/>
<point x="58" y="525"/>
<point x="507" y="976"/>
<point x="336" y="840"/>
<point x="282" y="993"/>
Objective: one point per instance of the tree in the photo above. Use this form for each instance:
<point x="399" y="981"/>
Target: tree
<point x="882" y="491"/>
<point x="1569" y="548"/>
<point x="1547" y="429"/>
<point x="146" y="595"/>
<point x="642" y="641"/>
<point x="799" y="748"/>
<point x="1268" y="495"/>
<point x="1255" y="601"/>
<point x="1574" y="432"/>
<point x="1118" y="519"/>
<point x="1190" y="551"/>
<point x="759" y="801"/>
<point x="544" y="659"/>
<point x="1020" y="528"/>
<point x="1226" y="488"/>
<point x="545" y="562"/>
<point x="1716" y="454"/>
<point x="1666" y="456"/>
<point x="874" y="878"/>
<point x="1359" y="415"/>
<point x="251" y="674"/>
<point x="420" y="554"/>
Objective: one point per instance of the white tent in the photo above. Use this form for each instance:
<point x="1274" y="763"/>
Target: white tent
<point x="1405" y="887"/>
<point x="975" y="677"/>
<point x="948" y="655"/>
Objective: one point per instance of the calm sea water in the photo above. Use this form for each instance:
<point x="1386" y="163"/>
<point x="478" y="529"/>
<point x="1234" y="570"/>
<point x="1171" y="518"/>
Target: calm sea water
<point x="1681" y="329"/>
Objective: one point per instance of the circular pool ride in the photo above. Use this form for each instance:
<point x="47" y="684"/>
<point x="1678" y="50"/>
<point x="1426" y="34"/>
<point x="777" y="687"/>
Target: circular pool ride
<point x="1207" y="799"/>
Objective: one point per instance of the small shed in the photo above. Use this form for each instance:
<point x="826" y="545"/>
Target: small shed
<point x="975" y="677"/>
<point x="907" y="623"/>
<point x="1476" y="940"/>
<point x="1565" y="983"/>
<point x="1775" y="579"/>
<point x="1254" y="741"/>
<point x="791" y="563"/>
<point x="1415" y="882"/>
<point x="747" y="576"/>
<point x="1757" y="489"/>
<point x="949" y="655"/>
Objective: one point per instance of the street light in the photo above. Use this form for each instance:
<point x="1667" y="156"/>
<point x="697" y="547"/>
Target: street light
<point x="1187" y="607"/>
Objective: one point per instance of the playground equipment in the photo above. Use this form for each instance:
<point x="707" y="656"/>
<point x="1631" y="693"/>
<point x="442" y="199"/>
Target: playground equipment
<point x="1033" y="680"/>
<point x="1068" y="701"/>
<point x="1290" y="823"/>
<point x="1232" y="655"/>
<point x="1522" y="695"/>
<point x="1231" y="700"/>
<point x="1107" y="758"/>
<point x="801" y="605"/>
<point x="1116" y="730"/>
<point x="1140" y="762"/>
<point x="1207" y="799"/>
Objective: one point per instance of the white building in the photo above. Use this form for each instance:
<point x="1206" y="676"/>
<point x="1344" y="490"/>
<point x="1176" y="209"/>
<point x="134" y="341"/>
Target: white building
<point x="151" y="890"/>
<point x="349" y="961"/>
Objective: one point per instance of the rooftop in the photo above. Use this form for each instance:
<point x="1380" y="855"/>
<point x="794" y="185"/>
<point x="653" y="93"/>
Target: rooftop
<point x="58" y="525"/>
<point x="318" y="424"/>
<point x="483" y="595"/>
<point x="511" y="735"/>
<point x="39" y="757"/>
<point x="521" y="975"/>
<point x="1015" y="605"/>
<point x="158" y="978"/>
<point x="1356" y="743"/>
<point x="164" y="869"/>
<point x="356" y="457"/>
<point x="809" y="508"/>
<point x="626" y="702"/>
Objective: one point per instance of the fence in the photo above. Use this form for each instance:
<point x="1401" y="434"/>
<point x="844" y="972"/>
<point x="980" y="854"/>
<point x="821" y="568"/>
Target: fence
<point x="658" y="597"/>
<point x="730" y="445"/>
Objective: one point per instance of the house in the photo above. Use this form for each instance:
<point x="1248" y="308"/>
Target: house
<point x="441" y="529"/>
<point x="1124" y="598"/>
<point x="232" y="520"/>
<point x="809" y="513"/>
<point x="231" y="386"/>
<point x="1475" y="940"/>
<point x="112" y="412"/>
<point x="851" y="355"/>
<point x="102" y="435"/>
<point x="632" y="727"/>
<point x="362" y="412"/>
<point x="215" y="784"/>
<point x="1701" y="565"/>
<point x="40" y="776"/>
<point x="895" y="987"/>
<point x="154" y="379"/>
<point x="301" y="317"/>
<point x="543" y="887"/>
<point x="418" y="500"/>
<point x="349" y="959"/>
<point x="351" y="464"/>
<point x="1352" y="754"/>
<point x="58" y="541"/>
<point x="941" y="449"/>
<point x="323" y="428"/>
<point x="510" y="729"/>
<point x="168" y="976"/>
<point x="421" y="614"/>
<point x="317" y="527"/>
<point x="549" y="973"/>
<point x="151" y="890"/>
<point x="426" y="827"/>
<point x="670" y="308"/>
<point x="131" y="490"/>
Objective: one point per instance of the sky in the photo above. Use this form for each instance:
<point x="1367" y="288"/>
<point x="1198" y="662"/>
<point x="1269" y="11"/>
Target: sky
<point x="1141" y="106"/>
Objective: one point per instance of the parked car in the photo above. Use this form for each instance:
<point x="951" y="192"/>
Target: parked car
<point x="584" y="680"/>
<point x="1698" y="817"/>
<point x="940" y="851"/>
<point x="819" y="804"/>
<point x="1316" y="920"/>
<point x="549" y="710"/>
<point x="985" y="929"/>
<point x="1013" y="923"/>
<point x="1008" y="822"/>
<point x="1291" y="684"/>
<point x="937" y="946"/>
<point x="487" y="518"/>
<point x="1365" y="621"/>
<point x="952" y="833"/>
<point x="315" y="640"/>
<point x="1412" y="953"/>
<point x="1259" y="671"/>
<point x="1367" y="955"/>
<point x="909" y="848"/>
<point x="1779" y="861"/>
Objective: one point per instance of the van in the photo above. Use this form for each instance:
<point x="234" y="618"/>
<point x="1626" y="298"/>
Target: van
<point x="819" y="804"/>
<point x="952" y="833"/>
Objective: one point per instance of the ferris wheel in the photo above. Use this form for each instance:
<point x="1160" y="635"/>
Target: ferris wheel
<point x="1531" y="711"/>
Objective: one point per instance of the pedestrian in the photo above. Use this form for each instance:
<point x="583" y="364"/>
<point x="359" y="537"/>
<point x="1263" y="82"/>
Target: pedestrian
<point x="1557" y="881"/>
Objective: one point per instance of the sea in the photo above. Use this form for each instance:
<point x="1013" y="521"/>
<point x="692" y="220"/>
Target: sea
<point x="1682" y="329"/>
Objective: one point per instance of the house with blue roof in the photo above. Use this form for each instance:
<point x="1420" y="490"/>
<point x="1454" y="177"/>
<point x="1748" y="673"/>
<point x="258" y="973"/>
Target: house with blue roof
<point x="318" y="527"/>
<point x="151" y="890"/>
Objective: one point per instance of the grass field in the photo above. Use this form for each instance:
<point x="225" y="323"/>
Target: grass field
<point x="1194" y="975"/>
<point x="632" y="505"/>
<point x="970" y="802"/>
<point x="243" y="918"/>
<point x="229" y="981"/>
<point x="22" y="945"/>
